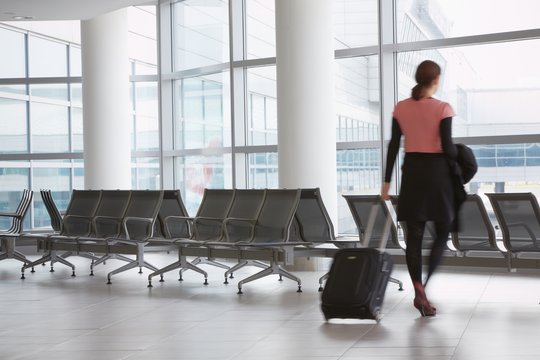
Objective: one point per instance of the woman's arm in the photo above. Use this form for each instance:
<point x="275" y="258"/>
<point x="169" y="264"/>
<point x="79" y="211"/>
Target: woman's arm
<point x="446" y="138"/>
<point x="393" y="148"/>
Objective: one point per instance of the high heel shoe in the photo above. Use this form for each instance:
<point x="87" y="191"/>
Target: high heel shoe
<point x="421" y="302"/>
<point x="424" y="307"/>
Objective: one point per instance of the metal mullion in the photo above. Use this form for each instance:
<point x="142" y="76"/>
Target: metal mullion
<point x="197" y="72"/>
<point x="40" y="80"/>
<point x="510" y="36"/>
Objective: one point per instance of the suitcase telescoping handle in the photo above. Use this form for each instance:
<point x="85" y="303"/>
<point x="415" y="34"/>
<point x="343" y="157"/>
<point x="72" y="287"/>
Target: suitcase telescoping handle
<point x="371" y="224"/>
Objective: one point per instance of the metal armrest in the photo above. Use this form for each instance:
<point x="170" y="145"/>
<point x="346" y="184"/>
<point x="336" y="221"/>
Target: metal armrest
<point x="166" y="220"/>
<point x="128" y="219"/>
<point x="271" y="245"/>
<point x="10" y="214"/>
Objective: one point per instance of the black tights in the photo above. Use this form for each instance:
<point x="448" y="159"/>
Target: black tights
<point x="413" y="253"/>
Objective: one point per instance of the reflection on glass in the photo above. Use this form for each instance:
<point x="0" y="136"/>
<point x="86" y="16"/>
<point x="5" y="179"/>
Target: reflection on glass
<point x="506" y="168"/>
<point x="359" y="171"/>
<point x="146" y="174"/>
<point x="78" y="175"/>
<point x="50" y="130"/>
<point x="260" y="28"/>
<point x="357" y="99"/>
<point x="13" y="89"/>
<point x="76" y="129"/>
<point x="193" y="174"/>
<point x="12" y="65"/>
<point x="50" y="91"/>
<point x="76" y="94"/>
<point x="142" y="44"/>
<point x="201" y="33"/>
<point x="263" y="171"/>
<point x="14" y="178"/>
<point x="438" y="19"/>
<point x="75" y="61"/>
<point x="204" y="117"/>
<point x="487" y="101"/>
<point x="147" y="133"/>
<point x="144" y="69"/>
<point x="355" y="23"/>
<point x="46" y="58"/>
<point x="262" y="106"/>
<point x="146" y="116"/>
<point x="143" y="49"/>
<point x="13" y="134"/>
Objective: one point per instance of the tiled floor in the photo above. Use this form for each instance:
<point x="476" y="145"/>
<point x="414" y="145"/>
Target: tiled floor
<point x="481" y="315"/>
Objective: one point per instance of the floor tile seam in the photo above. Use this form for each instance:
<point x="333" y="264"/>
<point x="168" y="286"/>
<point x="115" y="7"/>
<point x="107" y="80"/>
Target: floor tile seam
<point x="476" y="305"/>
<point x="263" y="339"/>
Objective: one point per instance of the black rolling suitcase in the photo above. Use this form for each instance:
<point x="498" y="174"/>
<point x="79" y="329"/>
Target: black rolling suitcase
<point x="356" y="284"/>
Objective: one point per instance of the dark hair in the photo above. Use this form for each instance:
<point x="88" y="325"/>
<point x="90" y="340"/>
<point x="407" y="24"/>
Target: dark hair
<point x="426" y="72"/>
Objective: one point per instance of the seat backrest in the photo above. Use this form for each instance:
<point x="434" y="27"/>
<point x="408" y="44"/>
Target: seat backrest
<point x="172" y="205"/>
<point x="519" y="218"/>
<point x="77" y="220"/>
<point x="52" y="209"/>
<point x="276" y="215"/>
<point x="312" y="222"/>
<point x="215" y="203"/>
<point x="370" y="209"/>
<point x="143" y="204"/>
<point x="110" y="212"/>
<point x="475" y="229"/>
<point x="20" y="213"/>
<point x="247" y="204"/>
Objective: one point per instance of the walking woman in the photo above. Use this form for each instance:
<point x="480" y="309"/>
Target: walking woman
<point x="427" y="192"/>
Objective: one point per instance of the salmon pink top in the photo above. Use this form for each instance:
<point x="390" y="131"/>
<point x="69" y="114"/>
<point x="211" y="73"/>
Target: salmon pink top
<point x="420" y="121"/>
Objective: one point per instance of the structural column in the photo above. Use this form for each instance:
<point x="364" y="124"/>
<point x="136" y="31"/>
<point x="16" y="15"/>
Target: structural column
<point x="305" y="97"/>
<point x="105" y="89"/>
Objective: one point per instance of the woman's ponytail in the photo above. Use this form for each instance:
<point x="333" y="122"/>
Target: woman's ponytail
<point x="416" y="92"/>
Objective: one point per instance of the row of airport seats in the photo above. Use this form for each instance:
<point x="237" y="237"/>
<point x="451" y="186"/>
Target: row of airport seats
<point x="266" y="228"/>
<point x="506" y="226"/>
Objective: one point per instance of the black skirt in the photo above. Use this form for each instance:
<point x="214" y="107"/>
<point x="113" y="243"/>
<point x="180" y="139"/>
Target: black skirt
<point x="427" y="189"/>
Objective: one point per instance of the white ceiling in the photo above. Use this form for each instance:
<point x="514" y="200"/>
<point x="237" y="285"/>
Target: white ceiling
<point x="41" y="10"/>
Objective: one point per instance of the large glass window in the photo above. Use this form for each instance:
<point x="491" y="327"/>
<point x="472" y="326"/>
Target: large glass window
<point x="488" y="101"/>
<point x="13" y="125"/>
<point x="40" y="117"/>
<point x="47" y="58"/>
<point x="145" y="174"/>
<point x="146" y="116"/>
<point x="201" y="33"/>
<point x="50" y="91"/>
<point x="357" y="99"/>
<point x="50" y="128"/>
<point x="14" y="177"/>
<point x="260" y="29"/>
<point x="263" y="170"/>
<point x="12" y="63"/>
<point x="355" y="23"/>
<point x="204" y="117"/>
<point x="262" y="105"/>
<point x="438" y="19"/>
<point x="142" y="36"/>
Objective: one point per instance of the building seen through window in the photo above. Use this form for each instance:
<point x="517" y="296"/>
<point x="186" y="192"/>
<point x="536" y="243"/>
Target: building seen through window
<point x="223" y="127"/>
